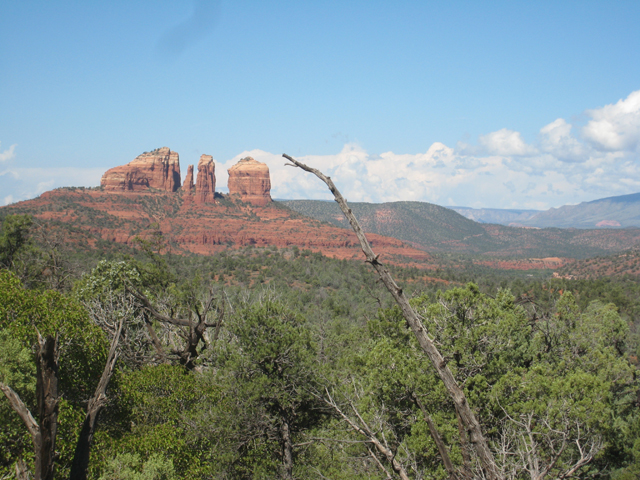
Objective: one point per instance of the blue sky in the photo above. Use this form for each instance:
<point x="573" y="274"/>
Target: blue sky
<point x="507" y="104"/>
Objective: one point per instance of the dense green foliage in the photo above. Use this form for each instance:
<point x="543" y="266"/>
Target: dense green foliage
<point x="306" y="363"/>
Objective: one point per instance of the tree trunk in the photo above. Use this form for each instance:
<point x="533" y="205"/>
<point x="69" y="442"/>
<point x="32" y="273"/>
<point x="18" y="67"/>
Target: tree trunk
<point x="47" y="394"/>
<point x="442" y="449"/>
<point x="287" y="451"/>
<point x="426" y="343"/>
<point x="22" y="472"/>
<point x="464" y="446"/>
<point x="82" y="453"/>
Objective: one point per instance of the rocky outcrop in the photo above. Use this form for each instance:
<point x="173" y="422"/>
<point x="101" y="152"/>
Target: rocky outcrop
<point x="250" y="180"/>
<point x="158" y="169"/>
<point x="206" y="184"/>
<point x="188" y="186"/>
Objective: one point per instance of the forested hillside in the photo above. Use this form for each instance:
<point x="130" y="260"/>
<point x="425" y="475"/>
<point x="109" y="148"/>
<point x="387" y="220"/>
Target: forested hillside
<point x="268" y="362"/>
<point x="438" y="229"/>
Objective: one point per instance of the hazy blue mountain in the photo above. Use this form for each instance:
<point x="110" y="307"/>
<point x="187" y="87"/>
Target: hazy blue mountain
<point x="611" y="212"/>
<point x="495" y="215"/>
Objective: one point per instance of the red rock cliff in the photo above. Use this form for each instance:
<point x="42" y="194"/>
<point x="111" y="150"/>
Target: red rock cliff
<point x="157" y="169"/>
<point x="206" y="184"/>
<point x="250" y="179"/>
<point x="188" y="186"/>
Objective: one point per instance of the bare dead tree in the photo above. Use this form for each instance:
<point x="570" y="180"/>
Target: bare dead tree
<point x="190" y="330"/>
<point x="22" y="471"/>
<point x="360" y="426"/>
<point x="96" y="404"/>
<point x="534" y="444"/>
<point x="56" y="269"/>
<point x="134" y="341"/>
<point x="43" y="434"/>
<point x="456" y="393"/>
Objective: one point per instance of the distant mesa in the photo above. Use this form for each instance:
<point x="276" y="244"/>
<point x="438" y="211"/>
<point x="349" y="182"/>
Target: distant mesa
<point x="206" y="184"/>
<point x="251" y="181"/>
<point x="159" y="169"/>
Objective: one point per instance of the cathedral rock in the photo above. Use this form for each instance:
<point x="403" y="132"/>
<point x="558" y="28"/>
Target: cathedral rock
<point x="206" y="183"/>
<point x="250" y="180"/>
<point x="158" y="169"/>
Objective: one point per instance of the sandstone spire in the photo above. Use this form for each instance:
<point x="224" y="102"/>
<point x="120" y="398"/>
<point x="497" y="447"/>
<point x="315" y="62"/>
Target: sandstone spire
<point x="206" y="184"/>
<point x="188" y="186"/>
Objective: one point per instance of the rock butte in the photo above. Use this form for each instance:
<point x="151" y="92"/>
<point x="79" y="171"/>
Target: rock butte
<point x="158" y="169"/>
<point x="250" y="180"/>
<point x="206" y="184"/>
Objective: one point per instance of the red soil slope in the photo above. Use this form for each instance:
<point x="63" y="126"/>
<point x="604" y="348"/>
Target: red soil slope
<point x="202" y="228"/>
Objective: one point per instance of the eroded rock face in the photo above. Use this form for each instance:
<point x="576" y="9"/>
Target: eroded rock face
<point x="250" y="179"/>
<point x="188" y="186"/>
<point x="157" y="169"/>
<point x="206" y="184"/>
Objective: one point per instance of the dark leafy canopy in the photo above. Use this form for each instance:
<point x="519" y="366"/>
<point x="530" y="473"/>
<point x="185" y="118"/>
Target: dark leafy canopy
<point x="82" y="351"/>
<point x="14" y="236"/>
<point x="268" y="373"/>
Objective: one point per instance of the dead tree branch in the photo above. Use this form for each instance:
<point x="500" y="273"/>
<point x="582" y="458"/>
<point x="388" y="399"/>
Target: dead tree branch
<point x="442" y="448"/>
<point x="97" y="402"/>
<point x="363" y="429"/>
<point x="426" y="343"/>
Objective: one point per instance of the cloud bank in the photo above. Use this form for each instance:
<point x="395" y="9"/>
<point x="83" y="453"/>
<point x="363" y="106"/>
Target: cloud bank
<point x="565" y="164"/>
<point x="501" y="171"/>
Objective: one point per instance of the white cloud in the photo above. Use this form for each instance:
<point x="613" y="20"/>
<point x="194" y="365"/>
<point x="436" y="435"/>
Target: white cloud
<point x="501" y="171"/>
<point x="615" y="126"/>
<point x="505" y="142"/>
<point x="8" y="154"/>
<point x="557" y="140"/>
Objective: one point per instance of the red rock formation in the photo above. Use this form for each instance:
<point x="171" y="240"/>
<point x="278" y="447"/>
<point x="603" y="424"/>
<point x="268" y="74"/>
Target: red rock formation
<point x="203" y="229"/>
<point x="250" y="179"/>
<point x="158" y="169"/>
<point x="206" y="184"/>
<point x="188" y="186"/>
<point x="608" y="223"/>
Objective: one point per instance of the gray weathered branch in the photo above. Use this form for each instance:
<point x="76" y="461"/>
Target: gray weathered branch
<point x="426" y="343"/>
<point x="98" y="401"/>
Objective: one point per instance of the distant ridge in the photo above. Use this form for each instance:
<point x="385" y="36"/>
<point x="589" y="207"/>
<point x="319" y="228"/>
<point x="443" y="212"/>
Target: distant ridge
<point x="611" y="212"/>
<point x="439" y="229"/>
<point x="406" y="233"/>
<point x="500" y="216"/>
